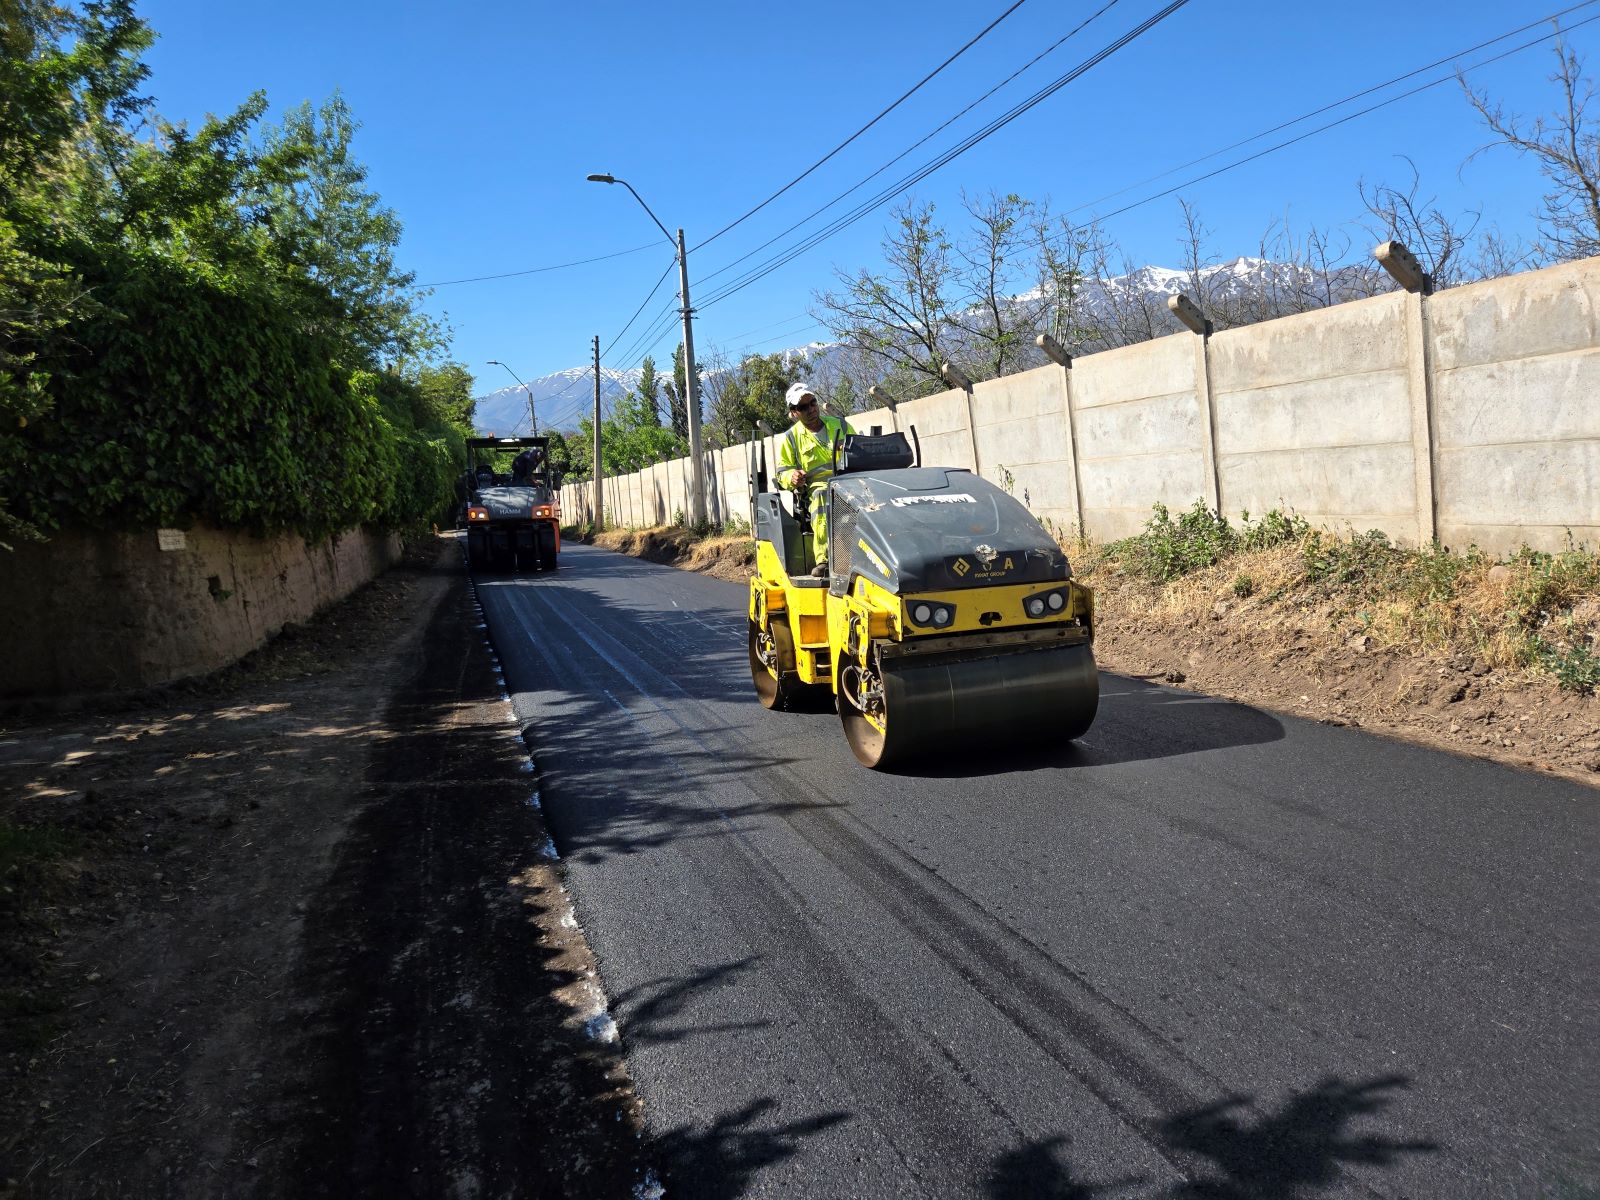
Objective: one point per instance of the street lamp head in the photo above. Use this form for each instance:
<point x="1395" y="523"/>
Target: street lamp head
<point x="602" y="179"/>
<point x="495" y="362"/>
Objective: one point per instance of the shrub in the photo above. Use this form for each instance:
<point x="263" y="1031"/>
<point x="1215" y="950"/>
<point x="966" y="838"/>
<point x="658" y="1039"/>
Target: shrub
<point x="1169" y="549"/>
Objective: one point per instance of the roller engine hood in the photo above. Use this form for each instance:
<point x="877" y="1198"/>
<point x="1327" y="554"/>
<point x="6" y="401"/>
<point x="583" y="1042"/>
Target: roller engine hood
<point x="930" y="529"/>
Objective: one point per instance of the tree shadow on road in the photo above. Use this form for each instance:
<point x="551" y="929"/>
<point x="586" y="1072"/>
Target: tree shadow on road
<point x="1304" y="1144"/>
<point x="720" y="1161"/>
<point x="1231" y="1151"/>
<point x="650" y="1013"/>
<point x="1038" y="1170"/>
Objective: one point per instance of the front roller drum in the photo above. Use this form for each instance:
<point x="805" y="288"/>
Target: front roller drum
<point x="772" y="667"/>
<point x="1042" y="696"/>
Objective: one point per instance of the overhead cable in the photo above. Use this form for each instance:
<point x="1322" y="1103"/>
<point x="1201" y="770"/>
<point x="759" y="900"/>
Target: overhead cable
<point x="903" y="98"/>
<point x="949" y="155"/>
<point x="914" y="145"/>
<point x="1249" y="158"/>
<point x="582" y="262"/>
<point x="1317" y="112"/>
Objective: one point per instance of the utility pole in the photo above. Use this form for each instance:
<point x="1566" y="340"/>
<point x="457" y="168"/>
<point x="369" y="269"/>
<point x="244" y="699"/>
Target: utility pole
<point x="533" y="417"/>
<point x="599" y="474"/>
<point x="691" y="387"/>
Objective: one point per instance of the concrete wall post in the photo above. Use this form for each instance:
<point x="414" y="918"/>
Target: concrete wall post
<point x="1075" y="485"/>
<point x="972" y="430"/>
<point x="1208" y="420"/>
<point x="1419" y="380"/>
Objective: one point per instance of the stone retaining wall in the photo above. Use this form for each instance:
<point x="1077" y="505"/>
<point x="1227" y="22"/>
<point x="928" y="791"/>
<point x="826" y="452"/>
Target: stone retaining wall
<point x="96" y="612"/>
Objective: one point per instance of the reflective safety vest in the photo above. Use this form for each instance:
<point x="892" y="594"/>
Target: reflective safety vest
<point x="810" y="452"/>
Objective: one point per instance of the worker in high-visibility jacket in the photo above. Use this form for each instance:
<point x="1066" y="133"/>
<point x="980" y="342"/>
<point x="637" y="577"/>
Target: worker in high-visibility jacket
<point x="805" y="460"/>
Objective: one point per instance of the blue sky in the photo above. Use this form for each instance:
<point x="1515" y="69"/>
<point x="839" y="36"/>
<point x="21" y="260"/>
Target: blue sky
<point x="480" y="122"/>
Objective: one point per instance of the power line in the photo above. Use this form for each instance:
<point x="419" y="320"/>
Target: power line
<point x="784" y="320"/>
<point x="651" y="295"/>
<point x="582" y="262"/>
<point x="1249" y="158"/>
<point x="949" y="155"/>
<point x="914" y="145"/>
<point x="654" y="331"/>
<point x="782" y="336"/>
<point x="982" y="33"/>
<point x="1317" y="112"/>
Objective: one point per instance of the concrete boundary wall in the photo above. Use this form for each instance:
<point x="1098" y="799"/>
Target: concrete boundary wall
<point x="1470" y="417"/>
<point x="91" y="612"/>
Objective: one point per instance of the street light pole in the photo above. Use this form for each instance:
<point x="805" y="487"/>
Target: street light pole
<point x="691" y="381"/>
<point x="599" y="471"/>
<point x="533" y="417"/>
<point x="691" y="387"/>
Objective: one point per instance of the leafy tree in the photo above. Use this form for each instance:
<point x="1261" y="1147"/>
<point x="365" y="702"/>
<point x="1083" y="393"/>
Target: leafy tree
<point x="561" y="457"/>
<point x="192" y="324"/>
<point x="677" y="394"/>
<point x="753" y="391"/>
<point x="648" y="391"/>
<point x="447" y="394"/>
<point x="900" y="317"/>
<point x="323" y="218"/>
<point x="997" y="325"/>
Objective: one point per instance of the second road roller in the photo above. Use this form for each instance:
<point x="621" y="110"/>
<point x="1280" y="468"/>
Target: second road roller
<point x="948" y="620"/>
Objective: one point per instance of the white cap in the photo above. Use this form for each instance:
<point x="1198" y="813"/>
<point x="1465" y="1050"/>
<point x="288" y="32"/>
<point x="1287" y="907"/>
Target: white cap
<point x="798" y="392"/>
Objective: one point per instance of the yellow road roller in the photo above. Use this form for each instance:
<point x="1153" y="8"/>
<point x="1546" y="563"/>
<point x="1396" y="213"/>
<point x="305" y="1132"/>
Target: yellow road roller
<point x="948" y="621"/>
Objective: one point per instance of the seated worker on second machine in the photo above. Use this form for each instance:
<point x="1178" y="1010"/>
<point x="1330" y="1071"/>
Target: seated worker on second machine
<point x="805" y="459"/>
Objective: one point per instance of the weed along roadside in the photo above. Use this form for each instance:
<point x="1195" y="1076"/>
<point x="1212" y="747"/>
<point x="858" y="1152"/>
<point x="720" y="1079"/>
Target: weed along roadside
<point x="1459" y="651"/>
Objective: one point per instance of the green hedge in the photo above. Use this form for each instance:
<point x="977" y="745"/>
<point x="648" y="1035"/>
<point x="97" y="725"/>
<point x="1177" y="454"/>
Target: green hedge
<point x="182" y="394"/>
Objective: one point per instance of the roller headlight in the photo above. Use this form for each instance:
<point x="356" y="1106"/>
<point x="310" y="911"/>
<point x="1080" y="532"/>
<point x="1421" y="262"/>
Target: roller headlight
<point x="1045" y="604"/>
<point x="931" y="614"/>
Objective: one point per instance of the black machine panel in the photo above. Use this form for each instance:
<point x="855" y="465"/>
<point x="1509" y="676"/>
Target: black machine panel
<point x="929" y="529"/>
<point x="874" y="452"/>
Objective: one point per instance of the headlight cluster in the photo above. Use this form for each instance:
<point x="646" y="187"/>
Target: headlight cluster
<point x="931" y="612"/>
<point x="477" y="514"/>
<point x="1045" y="604"/>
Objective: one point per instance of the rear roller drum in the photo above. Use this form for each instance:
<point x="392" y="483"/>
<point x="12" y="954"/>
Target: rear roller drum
<point x="916" y="709"/>
<point x="547" y="549"/>
<point x="778" y="686"/>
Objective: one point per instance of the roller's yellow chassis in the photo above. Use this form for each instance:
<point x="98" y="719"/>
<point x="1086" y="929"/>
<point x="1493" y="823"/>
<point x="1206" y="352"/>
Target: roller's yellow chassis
<point x="818" y="640"/>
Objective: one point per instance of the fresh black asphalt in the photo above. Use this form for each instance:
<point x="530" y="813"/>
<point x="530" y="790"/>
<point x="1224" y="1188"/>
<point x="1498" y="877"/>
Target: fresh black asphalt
<point x="1208" y="952"/>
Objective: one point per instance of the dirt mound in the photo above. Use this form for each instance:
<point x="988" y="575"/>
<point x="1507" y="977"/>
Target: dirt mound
<point x="1425" y="646"/>
<point x="727" y="557"/>
<point x="1459" y="704"/>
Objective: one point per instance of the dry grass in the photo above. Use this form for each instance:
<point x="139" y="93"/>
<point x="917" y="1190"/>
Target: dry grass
<point x="725" y="556"/>
<point x="1534" y="611"/>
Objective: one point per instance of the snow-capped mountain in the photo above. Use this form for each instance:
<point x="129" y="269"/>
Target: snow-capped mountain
<point x="559" y="399"/>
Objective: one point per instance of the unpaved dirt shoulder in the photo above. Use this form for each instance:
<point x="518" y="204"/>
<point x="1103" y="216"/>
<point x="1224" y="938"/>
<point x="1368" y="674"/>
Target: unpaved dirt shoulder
<point x="304" y="939"/>
<point x="1450" y="703"/>
<point x="1244" y="653"/>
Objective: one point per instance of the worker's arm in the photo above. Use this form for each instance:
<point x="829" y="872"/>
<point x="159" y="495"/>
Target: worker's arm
<point x="790" y="473"/>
